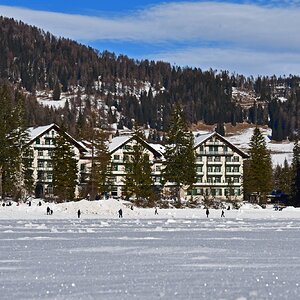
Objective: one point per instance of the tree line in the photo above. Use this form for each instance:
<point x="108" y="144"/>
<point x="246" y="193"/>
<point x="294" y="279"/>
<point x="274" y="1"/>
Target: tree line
<point x="34" y="60"/>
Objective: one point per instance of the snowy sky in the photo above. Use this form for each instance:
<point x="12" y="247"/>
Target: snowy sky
<point x="248" y="37"/>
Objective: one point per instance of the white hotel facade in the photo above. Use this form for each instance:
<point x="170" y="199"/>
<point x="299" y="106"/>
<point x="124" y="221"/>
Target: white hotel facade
<point x="219" y="163"/>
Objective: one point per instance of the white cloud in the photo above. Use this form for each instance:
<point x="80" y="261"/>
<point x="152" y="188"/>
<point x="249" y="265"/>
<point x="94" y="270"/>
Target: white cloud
<point x="233" y="23"/>
<point x="244" y="30"/>
<point x="234" y="60"/>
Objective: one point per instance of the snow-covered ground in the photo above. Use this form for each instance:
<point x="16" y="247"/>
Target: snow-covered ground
<point x="108" y="209"/>
<point x="177" y="254"/>
<point x="279" y="151"/>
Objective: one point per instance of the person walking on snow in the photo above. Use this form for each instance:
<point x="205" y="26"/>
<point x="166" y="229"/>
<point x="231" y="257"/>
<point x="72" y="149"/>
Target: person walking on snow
<point x="222" y="214"/>
<point x="78" y="213"/>
<point x="207" y="212"/>
<point x="120" y="213"/>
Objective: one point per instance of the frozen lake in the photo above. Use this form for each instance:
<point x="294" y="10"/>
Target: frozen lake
<point x="150" y="259"/>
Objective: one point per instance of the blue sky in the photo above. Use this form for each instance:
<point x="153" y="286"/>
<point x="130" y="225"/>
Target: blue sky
<point x="246" y="37"/>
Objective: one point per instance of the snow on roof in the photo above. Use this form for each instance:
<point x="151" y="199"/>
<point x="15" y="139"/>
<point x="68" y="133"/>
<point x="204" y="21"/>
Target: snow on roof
<point x="117" y="141"/>
<point x="200" y="138"/>
<point x="158" y="147"/>
<point x="34" y="132"/>
<point x="282" y="99"/>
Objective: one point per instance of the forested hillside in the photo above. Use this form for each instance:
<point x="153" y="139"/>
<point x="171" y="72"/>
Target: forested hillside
<point x="135" y="91"/>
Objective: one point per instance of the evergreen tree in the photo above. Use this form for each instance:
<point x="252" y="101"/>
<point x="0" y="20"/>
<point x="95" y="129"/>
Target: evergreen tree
<point x="220" y="129"/>
<point x="180" y="157"/>
<point x="64" y="169"/>
<point x="138" y="181"/>
<point x="28" y="170"/>
<point x="5" y="145"/>
<point x="258" y="170"/>
<point x="19" y="138"/>
<point x="56" y="91"/>
<point x="295" y="188"/>
<point x="283" y="177"/>
<point x="101" y="169"/>
<point x="13" y="139"/>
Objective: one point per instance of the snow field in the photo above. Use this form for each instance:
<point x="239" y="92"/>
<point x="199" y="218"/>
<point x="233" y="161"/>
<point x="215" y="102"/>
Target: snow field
<point x="252" y="253"/>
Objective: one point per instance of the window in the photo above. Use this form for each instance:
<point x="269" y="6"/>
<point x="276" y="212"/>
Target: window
<point x="217" y="169"/>
<point x="225" y="149"/>
<point x="40" y="175"/>
<point x="37" y="141"/>
<point x="49" y="176"/>
<point x="40" y="164"/>
<point x="228" y="180"/>
<point x="47" y="141"/>
<point x="30" y="153"/>
<point x="199" y="158"/>
<point x="157" y="168"/>
<point x="213" y="149"/>
<point x="50" y="153"/>
<point x="157" y="179"/>
<point x="237" y="192"/>
<point x="201" y="149"/>
<point x="228" y="159"/>
<point x="236" y="169"/>
<point x="50" y="189"/>
<point x="236" y="159"/>
<point x="49" y="164"/>
<point x="209" y="169"/>
<point x="209" y="179"/>
<point x="209" y="158"/>
<point x="199" y="179"/>
<point x="217" y="159"/>
<point x="40" y="153"/>
<point x="199" y="169"/>
<point x="116" y="157"/>
<point x="114" y="167"/>
<point x="217" y="179"/>
<point x="228" y="169"/>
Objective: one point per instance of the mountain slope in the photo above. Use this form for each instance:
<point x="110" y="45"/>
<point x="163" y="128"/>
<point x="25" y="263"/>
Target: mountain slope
<point x="136" y="91"/>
